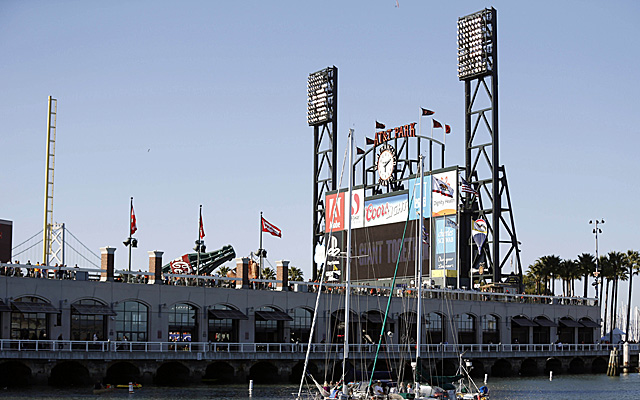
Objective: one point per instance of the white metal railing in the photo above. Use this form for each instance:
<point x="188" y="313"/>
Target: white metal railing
<point x="289" y="348"/>
<point x="58" y="272"/>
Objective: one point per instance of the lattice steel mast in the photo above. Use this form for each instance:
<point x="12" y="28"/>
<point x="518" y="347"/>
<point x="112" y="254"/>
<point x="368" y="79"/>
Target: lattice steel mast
<point x="322" y="114"/>
<point x="478" y="68"/>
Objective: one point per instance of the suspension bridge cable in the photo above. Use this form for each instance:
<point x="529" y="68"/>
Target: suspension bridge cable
<point x="78" y="253"/>
<point x="83" y="245"/>
<point x="28" y="240"/>
<point x="28" y="248"/>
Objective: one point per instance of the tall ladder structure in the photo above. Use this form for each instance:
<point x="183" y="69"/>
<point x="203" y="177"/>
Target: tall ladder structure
<point x="48" y="190"/>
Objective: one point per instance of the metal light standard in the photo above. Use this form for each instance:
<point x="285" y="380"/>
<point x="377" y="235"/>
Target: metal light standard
<point x="596" y="231"/>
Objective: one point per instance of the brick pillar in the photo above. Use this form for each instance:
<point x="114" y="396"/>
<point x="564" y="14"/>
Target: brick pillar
<point x="107" y="261"/>
<point x="282" y="275"/>
<point x="155" y="267"/>
<point x="242" y="271"/>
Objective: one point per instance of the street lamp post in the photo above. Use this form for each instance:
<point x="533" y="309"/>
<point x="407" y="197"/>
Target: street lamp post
<point x="596" y="231"/>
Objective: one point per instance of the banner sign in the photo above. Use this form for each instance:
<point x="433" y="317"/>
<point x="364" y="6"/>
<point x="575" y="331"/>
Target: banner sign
<point x="446" y="243"/>
<point x="337" y="204"/>
<point x="414" y="197"/>
<point x="445" y="205"/>
<point x="479" y="232"/>
<point x="386" y="210"/>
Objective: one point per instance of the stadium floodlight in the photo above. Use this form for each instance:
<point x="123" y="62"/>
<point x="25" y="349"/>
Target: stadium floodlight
<point x="475" y="44"/>
<point x="319" y="97"/>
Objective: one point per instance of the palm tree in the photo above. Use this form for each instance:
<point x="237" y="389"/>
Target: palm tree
<point x="566" y="273"/>
<point x="295" y="274"/>
<point x="539" y="274"/>
<point x="632" y="259"/>
<point x="586" y="264"/>
<point x="551" y="266"/>
<point x="617" y="265"/>
<point x="268" y="274"/>
<point x="223" y="270"/>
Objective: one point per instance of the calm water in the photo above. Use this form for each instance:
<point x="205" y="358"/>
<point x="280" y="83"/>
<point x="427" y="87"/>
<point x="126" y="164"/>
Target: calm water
<point x="563" y="387"/>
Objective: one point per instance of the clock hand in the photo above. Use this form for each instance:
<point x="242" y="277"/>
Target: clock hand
<point x="385" y="164"/>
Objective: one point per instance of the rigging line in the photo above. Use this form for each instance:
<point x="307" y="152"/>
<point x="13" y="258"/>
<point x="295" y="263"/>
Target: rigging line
<point x="83" y="245"/>
<point x="320" y="280"/>
<point x="28" y="248"/>
<point x="393" y="284"/>
<point x="13" y="248"/>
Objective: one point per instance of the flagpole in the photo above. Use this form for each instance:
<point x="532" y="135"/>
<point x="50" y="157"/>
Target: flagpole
<point x="199" y="243"/>
<point x="130" y="222"/>
<point x="260" y="250"/>
<point x="431" y="158"/>
<point x="419" y="272"/>
<point x="444" y="141"/>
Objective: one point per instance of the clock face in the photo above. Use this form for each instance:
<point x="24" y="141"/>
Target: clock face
<point x="386" y="164"/>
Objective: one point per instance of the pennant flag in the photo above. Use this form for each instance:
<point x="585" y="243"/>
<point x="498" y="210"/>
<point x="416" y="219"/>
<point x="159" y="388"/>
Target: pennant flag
<point x="447" y="129"/>
<point x="425" y="235"/>
<point x="450" y="223"/>
<point x="133" y="227"/>
<point x="437" y="124"/>
<point x="426" y="112"/>
<point x="270" y="228"/>
<point x="479" y="232"/>
<point x="466" y="187"/>
<point x="370" y="141"/>
<point x="442" y="187"/>
<point x="380" y="125"/>
<point x="201" y="227"/>
<point x="359" y="150"/>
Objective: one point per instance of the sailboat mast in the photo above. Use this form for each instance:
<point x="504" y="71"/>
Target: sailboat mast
<point x="419" y="280"/>
<point x="347" y="310"/>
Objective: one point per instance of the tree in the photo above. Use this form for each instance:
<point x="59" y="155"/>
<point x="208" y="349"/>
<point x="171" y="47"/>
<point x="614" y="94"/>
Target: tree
<point x="632" y="259"/>
<point x="295" y="274"/>
<point x="617" y="271"/>
<point x="586" y="266"/>
<point x="551" y="266"/>
<point x="268" y="274"/>
<point x="223" y="270"/>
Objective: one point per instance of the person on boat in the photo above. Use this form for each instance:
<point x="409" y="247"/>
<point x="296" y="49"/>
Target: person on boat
<point x="402" y="389"/>
<point x="326" y="387"/>
<point x="377" y="389"/>
<point x="410" y="388"/>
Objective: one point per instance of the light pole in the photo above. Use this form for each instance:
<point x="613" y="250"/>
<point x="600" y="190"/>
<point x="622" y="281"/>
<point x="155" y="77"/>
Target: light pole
<point x="596" y="231"/>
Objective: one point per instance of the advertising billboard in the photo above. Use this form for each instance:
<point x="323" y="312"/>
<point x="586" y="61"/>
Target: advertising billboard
<point x="445" y="263"/>
<point x="386" y="210"/>
<point x="336" y="205"/>
<point x="376" y="251"/>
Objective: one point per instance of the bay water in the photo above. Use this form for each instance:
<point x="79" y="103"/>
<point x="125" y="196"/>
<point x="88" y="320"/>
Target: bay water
<point x="562" y="387"/>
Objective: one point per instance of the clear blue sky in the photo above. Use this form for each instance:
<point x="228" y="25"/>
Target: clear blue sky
<point x="200" y="102"/>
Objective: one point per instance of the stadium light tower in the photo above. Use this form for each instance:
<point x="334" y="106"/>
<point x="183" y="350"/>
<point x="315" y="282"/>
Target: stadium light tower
<point x="478" y="68"/>
<point x="322" y="114"/>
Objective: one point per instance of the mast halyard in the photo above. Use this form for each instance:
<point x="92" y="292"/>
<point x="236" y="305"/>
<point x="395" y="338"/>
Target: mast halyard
<point x="347" y="271"/>
<point x="419" y="280"/>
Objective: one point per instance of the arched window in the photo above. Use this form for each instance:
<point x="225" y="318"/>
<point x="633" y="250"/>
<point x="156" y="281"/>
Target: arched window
<point x="224" y="323"/>
<point x="542" y="332"/>
<point x="407" y="327"/>
<point x="466" y="326"/>
<point x="338" y="326"/>
<point x="29" y="318"/>
<point x="435" y="328"/>
<point x="183" y="324"/>
<point x="132" y="321"/>
<point x="490" y="329"/>
<point x="269" y="325"/>
<point x="301" y="324"/>
<point x="88" y="318"/>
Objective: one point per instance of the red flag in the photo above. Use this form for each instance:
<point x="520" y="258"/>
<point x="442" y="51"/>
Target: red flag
<point x="370" y="141"/>
<point x="359" y="150"/>
<point x="437" y="124"/>
<point x="270" y="228"/>
<point x="201" y="227"/>
<point x="426" y="112"/>
<point x="380" y="125"/>
<point x="134" y="227"/>
<point x="447" y="129"/>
